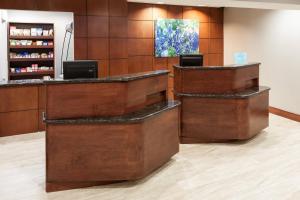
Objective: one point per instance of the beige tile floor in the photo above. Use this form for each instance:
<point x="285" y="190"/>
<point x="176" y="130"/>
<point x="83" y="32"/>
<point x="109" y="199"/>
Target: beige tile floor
<point x="266" y="167"/>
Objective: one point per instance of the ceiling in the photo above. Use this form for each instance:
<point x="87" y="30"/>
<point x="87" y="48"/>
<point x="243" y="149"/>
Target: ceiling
<point x="263" y="4"/>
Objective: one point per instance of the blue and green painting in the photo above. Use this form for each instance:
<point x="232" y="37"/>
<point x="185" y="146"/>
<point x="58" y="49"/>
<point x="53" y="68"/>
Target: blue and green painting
<point x="174" y="37"/>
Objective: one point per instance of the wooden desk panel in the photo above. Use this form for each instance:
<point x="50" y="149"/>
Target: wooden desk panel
<point x="221" y="120"/>
<point x="82" y="155"/>
<point x="19" y="122"/>
<point x="18" y="98"/>
<point x="222" y="80"/>
<point x="105" y="99"/>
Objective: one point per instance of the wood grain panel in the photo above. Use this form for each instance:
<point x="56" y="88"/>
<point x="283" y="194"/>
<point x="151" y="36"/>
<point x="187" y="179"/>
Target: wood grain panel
<point x="200" y="13"/>
<point x="204" y="46"/>
<point x="216" y="15"/>
<point x="160" y="63"/>
<point x="80" y="26"/>
<point x="216" y="46"/>
<point x="215" y="59"/>
<point x="216" y="30"/>
<point x="118" y="48"/>
<point x="118" y="8"/>
<point x="140" y="47"/>
<point x="118" y="27"/>
<point x="140" y="64"/>
<point x="137" y="11"/>
<point x="84" y="100"/>
<point x="103" y="68"/>
<point x="160" y="12"/>
<point x="98" y="48"/>
<point x="97" y="26"/>
<point x="80" y="48"/>
<point x="18" y="98"/>
<point x="18" y="4"/>
<point x="175" y="12"/>
<point x="140" y="29"/>
<point x="118" y="67"/>
<point x="204" y="30"/>
<point x="77" y="6"/>
<point x="96" y="7"/>
<point x="19" y="122"/>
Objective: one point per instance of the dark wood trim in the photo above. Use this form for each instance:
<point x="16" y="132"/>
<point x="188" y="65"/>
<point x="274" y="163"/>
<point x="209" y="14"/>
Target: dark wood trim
<point x="285" y="114"/>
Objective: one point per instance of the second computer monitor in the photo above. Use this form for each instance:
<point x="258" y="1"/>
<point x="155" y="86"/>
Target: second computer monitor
<point x="191" y="60"/>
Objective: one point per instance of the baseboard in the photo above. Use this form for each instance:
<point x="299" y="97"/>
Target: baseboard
<point x="284" y="114"/>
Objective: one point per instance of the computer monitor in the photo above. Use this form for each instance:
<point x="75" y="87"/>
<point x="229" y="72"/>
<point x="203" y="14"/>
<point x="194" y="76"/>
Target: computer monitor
<point x="80" y="69"/>
<point x="191" y="60"/>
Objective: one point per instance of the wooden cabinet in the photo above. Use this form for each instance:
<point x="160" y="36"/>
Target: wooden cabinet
<point x="21" y="109"/>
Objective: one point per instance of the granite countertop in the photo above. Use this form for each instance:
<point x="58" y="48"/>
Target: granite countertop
<point x="122" y="78"/>
<point x="225" y="67"/>
<point x="21" y="82"/>
<point x="239" y="95"/>
<point x="128" y="118"/>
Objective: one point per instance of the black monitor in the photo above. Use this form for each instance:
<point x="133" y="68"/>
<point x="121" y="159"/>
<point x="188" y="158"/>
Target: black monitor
<point x="191" y="60"/>
<point x="80" y="69"/>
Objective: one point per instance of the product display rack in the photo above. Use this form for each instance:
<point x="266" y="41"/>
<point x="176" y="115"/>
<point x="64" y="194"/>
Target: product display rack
<point x="30" y="50"/>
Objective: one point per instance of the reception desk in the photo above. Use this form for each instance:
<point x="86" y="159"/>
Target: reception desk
<point x="221" y="103"/>
<point x="108" y="130"/>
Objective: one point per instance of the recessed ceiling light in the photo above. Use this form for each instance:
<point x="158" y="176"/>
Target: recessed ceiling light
<point x="160" y="2"/>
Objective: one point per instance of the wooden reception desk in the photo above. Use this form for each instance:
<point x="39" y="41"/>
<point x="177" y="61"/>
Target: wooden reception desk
<point x="221" y="103"/>
<point x="108" y="130"/>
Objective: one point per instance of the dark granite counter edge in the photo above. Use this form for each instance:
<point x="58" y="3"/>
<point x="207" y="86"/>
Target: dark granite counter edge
<point x="124" y="78"/>
<point x="135" y="117"/>
<point x="239" y="95"/>
<point x="225" y="67"/>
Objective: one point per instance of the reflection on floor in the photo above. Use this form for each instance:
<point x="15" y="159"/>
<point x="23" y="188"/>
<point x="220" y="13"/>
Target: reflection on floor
<point x="267" y="167"/>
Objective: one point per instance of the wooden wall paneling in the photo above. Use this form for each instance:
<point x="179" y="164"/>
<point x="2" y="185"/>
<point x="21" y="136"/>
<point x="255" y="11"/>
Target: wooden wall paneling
<point x="204" y="30"/>
<point x="118" y="8"/>
<point x="140" y="29"/>
<point x="98" y="48"/>
<point x="172" y="62"/>
<point x="80" y="26"/>
<point x="97" y="26"/>
<point x="118" y="67"/>
<point x="103" y="68"/>
<point x="137" y="11"/>
<point x="118" y="27"/>
<point x="175" y="12"/>
<point x="204" y="46"/>
<point x="140" y="47"/>
<point x="215" y="59"/>
<point x="216" y="30"/>
<point x="98" y="8"/>
<point x="80" y="48"/>
<point x="140" y="64"/>
<point x="216" y="46"/>
<point x="217" y="15"/>
<point x="118" y="48"/>
<point x="76" y="6"/>
<point x="160" y="63"/>
<point x="199" y="13"/>
<point x="160" y="12"/>
<point x="18" y="4"/>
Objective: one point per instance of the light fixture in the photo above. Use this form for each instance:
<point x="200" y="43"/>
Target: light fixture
<point x="160" y="2"/>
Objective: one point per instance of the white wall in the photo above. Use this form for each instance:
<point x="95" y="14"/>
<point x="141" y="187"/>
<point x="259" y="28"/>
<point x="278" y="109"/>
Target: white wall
<point x="271" y="37"/>
<point x="59" y="19"/>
